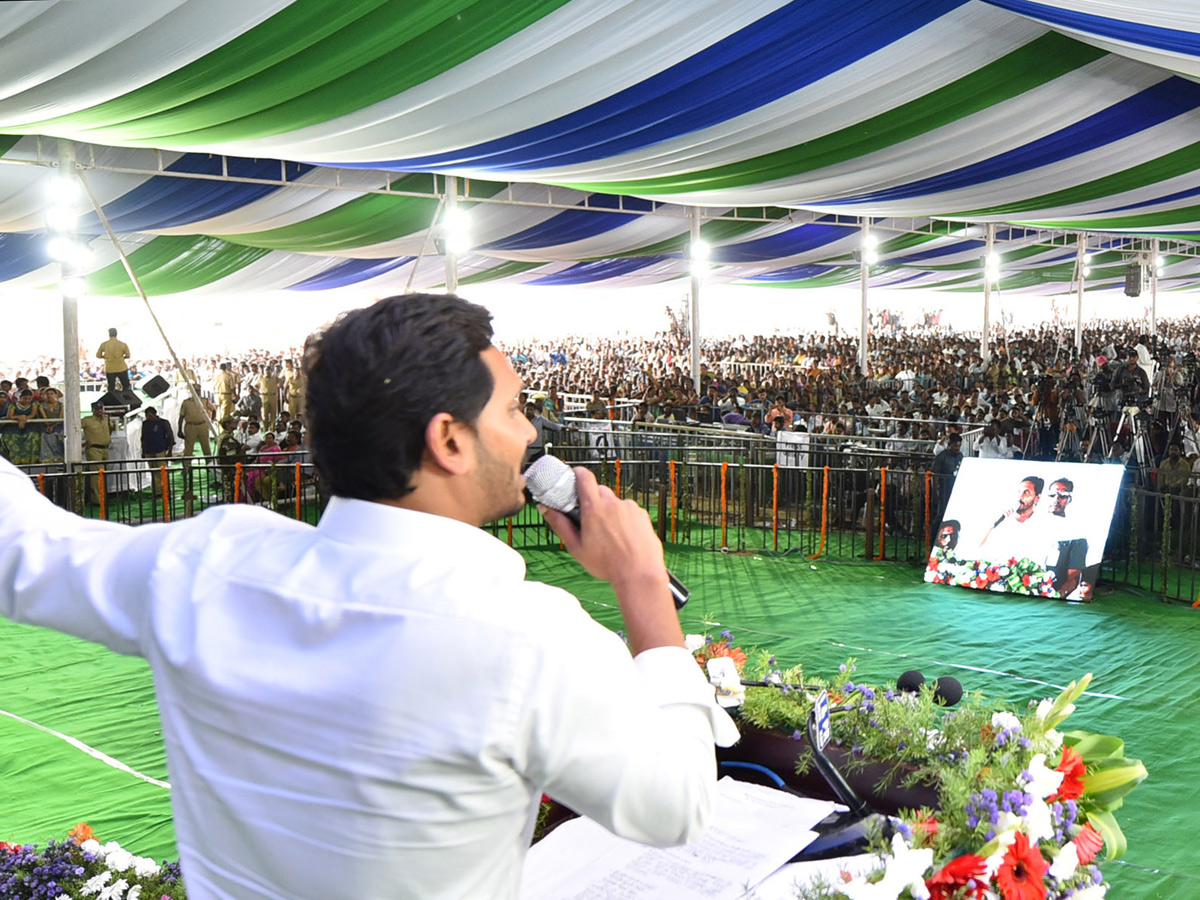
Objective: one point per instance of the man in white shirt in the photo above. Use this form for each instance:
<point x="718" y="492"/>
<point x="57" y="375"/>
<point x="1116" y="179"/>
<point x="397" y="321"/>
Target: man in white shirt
<point x="374" y="706"/>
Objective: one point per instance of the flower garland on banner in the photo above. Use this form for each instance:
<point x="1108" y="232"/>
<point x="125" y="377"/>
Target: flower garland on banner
<point x="82" y="867"/>
<point x="1023" y="809"/>
<point x="1017" y="576"/>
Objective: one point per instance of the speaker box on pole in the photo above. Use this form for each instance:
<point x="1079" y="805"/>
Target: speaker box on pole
<point x="1133" y="280"/>
<point x="155" y="386"/>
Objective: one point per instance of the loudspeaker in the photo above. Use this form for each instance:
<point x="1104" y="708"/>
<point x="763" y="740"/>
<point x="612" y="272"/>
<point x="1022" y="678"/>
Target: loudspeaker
<point x="127" y="399"/>
<point x="155" y="386"/>
<point x="1133" y="280"/>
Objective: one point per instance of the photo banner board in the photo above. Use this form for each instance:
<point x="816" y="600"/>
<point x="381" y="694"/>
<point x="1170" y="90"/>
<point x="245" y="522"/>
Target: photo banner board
<point x="1034" y="528"/>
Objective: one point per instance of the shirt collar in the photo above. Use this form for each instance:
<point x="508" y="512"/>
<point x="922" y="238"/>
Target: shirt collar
<point x="367" y="524"/>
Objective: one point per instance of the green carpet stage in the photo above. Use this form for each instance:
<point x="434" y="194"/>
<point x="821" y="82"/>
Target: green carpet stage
<point x="79" y="737"/>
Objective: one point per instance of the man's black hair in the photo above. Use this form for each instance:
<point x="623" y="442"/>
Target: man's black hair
<point x="1037" y="483"/>
<point x="1065" y="482"/>
<point x="378" y="375"/>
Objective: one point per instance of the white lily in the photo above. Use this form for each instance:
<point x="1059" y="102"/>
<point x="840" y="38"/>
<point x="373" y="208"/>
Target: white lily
<point x="1066" y="861"/>
<point x="1005" y="721"/>
<point x="1039" y="824"/>
<point x="693" y="642"/>
<point x="1043" y="781"/>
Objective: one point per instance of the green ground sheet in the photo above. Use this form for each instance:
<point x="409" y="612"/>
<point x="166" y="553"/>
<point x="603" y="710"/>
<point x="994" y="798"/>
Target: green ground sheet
<point x="1145" y="656"/>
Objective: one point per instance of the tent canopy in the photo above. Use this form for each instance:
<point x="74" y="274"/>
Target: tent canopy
<point x="582" y="130"/>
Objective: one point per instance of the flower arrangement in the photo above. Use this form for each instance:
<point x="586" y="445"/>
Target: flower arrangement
<point x="1016" y="576"/>
<point x="82" y="867"/>
<point x="1022" y="809"/>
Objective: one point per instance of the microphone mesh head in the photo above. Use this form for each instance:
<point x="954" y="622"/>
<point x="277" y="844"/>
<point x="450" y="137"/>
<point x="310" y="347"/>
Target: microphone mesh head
<point x="552" y="483"/>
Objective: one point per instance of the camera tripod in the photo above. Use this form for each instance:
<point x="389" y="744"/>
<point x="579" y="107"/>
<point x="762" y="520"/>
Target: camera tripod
<point x="1137" y="419"/>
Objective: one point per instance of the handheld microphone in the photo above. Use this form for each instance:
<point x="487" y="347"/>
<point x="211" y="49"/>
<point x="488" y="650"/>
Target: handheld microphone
<point x="551" y="482"/>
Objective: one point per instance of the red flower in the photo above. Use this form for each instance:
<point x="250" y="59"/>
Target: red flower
<point x="1025" y="580"/>
<point x="6" y="847"/>
<point x="1021" y="873"/>
<point x="962" y="877"/>
<point x="929" y="825"/>
<point x="1073" y="771"/>
<point x="1087" y="843"/>
<point x="933" y="565"/>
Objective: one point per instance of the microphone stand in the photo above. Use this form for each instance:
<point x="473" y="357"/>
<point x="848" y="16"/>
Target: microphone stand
<point x="832" y="776"/>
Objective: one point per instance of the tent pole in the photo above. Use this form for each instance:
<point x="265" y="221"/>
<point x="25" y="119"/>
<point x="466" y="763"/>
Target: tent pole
<point x="1079" y="264"/>
<point x="864" y="277"/>
<point x="694" y="316"/>
<point x="451" y="212"/>
<point x="72" y="414"/>
<point x="137" y="285"/>
<point x="985" y="350"/>
<point x="1154" y="287"/>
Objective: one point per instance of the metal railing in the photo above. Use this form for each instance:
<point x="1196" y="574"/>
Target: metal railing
<point x="697" y="496"/>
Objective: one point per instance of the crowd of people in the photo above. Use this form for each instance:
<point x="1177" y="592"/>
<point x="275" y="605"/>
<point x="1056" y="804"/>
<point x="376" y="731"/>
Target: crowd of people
<point x="1034" y="398"/>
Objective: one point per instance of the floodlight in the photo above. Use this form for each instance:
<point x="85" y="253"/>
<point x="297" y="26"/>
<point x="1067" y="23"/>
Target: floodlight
<point x="699" y="251"/>
<point x="62" y="191"/>
<point x="73" y="287"/>
<point x="456" y="230"/>
<point x="61" y="218"/>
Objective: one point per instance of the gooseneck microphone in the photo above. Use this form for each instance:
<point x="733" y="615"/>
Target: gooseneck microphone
<point x="551" y="482"/>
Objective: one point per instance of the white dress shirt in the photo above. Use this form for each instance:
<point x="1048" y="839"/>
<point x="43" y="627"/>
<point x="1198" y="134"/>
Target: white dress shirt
<point x="371" y="707"/>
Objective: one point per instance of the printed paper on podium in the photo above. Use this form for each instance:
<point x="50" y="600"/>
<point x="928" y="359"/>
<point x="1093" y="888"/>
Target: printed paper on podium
<point x="755" y="831"/>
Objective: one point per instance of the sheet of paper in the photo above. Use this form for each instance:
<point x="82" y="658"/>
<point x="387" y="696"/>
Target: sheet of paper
<point x="783" y="883"/>
<point x="755" y="831"/>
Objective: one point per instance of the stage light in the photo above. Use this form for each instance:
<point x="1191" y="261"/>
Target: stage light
<point x="870" y="242"/>
<point x="73" y="287"/>
<point x="991" y="267"/>
<point x="68" y="252"/>
<point x="62" y="191"/>
<point x="1159" y="262"/>
<point x="1086" y="271"/>
<point x="699" y="251"/>
<point x="1158" y="273"/>
<point x="869" y="256"/>
<point x="456" y="230"/>
<point x="61" y="218"/>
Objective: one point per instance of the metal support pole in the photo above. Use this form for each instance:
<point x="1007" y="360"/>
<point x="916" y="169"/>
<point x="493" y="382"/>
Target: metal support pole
<point x="451" y="213"/>
<point x="72" y="429"/>
<point x="1080" y="259"/>
<point x="864" y="278"/>
<point x="985" y="350"/>
<point x="694" y="316"/>
<point x="1154" y="287"/>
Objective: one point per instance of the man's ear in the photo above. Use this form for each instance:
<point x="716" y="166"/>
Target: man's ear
<point x="448" y="441"/>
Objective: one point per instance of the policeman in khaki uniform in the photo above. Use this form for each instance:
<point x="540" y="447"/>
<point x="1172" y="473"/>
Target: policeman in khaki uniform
<point x="295" y="385"/>
<point x="116" y="361"/>
<point x="96" y="438"/>
<point x="193" y="425"/>
<point x="268" y="389"/>
<point x="225" y="387"/>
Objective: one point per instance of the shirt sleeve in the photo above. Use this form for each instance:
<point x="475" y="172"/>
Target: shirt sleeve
<point x="625" y="742"/>
<point x="83" y="577"/>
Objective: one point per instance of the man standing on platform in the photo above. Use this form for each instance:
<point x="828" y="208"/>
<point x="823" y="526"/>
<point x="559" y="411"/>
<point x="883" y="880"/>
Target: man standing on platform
<point x="116" y="361"/>
<point x="373" y="707"/>
<point x="96" y="438"/>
